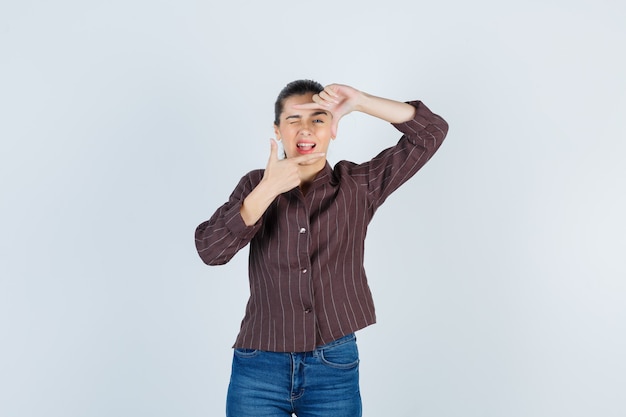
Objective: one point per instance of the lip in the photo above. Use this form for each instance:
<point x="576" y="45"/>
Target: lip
<point x="304" y="147"/>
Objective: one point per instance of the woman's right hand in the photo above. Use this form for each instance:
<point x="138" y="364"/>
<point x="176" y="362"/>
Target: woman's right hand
<point x="282" y="175"/>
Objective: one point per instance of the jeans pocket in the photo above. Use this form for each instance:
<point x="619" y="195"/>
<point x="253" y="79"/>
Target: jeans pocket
<point x="246" y="353"/>
<point x="343" y="356"/>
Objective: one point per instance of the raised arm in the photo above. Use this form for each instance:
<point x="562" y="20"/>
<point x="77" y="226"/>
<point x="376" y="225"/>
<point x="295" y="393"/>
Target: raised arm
<point x="423" y="133"/>
<point x="235" y="223"/>
<point x="341" y="100"/>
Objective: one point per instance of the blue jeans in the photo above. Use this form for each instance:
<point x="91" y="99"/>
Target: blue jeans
<point x="321" y="383"/>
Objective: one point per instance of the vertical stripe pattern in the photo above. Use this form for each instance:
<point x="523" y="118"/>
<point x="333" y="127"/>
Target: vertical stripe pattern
<point x="308" y="285"/>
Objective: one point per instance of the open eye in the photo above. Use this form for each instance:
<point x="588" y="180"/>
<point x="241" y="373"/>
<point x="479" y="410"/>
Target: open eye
<point x="318" y="121"/>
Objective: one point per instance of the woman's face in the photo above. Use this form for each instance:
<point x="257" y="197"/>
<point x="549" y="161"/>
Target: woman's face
<point x="303" y="131"/>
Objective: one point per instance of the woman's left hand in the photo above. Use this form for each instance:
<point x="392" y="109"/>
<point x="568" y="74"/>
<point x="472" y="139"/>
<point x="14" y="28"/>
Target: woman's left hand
<point x="338" y="99"/>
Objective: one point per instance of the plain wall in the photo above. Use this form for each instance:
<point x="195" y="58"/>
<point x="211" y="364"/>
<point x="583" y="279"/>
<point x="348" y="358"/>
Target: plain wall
<point x="498" y="272"/>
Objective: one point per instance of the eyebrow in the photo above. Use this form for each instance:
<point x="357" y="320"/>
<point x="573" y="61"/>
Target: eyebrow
<point x="297" y="116"/>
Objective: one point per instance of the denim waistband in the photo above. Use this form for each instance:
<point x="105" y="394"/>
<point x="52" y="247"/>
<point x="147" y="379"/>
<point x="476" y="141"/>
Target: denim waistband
<point x="345" y="339"/>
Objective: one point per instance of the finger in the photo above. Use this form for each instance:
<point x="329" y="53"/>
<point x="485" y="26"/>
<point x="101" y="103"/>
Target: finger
<point x="334" y="125"/>
<point x="323" y="101"/>
<point x="310" y="162"/>
<point x="308" y="106"/>
<point x="303" y="159"/>
<point x="332" y="90"/>
<point x="273" y="150"/>
<point x="327" y="96"/>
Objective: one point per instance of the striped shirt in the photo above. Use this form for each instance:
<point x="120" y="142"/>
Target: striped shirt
<point x="307" y="281"/>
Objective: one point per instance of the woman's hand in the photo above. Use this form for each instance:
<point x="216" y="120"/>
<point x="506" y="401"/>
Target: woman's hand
<point x="280" y="176"/>
<point x="341" y="99"/>
<point x="338" y="99"/>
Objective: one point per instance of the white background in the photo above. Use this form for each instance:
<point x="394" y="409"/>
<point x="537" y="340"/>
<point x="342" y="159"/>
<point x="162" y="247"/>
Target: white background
<point x="498" y="271"/>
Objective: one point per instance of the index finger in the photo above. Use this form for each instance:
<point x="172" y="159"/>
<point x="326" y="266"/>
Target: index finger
<point x="308" y="106"/>
<point x="307" y="158"/>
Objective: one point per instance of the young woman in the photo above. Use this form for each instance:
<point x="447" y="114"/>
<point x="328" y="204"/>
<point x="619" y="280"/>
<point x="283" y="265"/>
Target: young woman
<point x="306" y="222"/>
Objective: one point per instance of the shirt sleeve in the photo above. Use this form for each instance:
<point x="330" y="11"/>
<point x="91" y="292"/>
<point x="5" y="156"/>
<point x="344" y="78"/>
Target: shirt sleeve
<point x="225" y="233"/>
<point x="421" y="138"/>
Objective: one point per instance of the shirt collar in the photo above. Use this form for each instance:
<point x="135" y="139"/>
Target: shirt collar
<point x="325" y="176"/>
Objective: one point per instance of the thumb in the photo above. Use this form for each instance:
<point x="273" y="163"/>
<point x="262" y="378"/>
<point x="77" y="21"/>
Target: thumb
<point x="273" y="150"/>
<point x="333" y="127"/>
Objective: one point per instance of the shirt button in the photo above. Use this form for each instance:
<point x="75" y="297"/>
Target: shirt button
<point x="307" y="310"/>
<point x="302" y="231"/>
<point x="304" y="270"/>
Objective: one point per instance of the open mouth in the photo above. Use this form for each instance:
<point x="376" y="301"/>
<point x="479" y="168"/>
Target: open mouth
<point x="304" y="147"/>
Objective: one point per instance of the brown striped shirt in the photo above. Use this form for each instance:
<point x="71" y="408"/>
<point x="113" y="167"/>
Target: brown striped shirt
<point x="307" y="282"/>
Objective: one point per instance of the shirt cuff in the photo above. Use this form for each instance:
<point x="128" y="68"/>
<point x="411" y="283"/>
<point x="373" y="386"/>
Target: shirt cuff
<point x="423" y="117"/>
<point x="238" y="227"/>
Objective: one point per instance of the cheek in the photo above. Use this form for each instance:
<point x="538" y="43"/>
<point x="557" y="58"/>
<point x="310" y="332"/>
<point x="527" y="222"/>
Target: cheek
<point x="321" y="128"/>
<point x="323" y="132"/>
<point x="287" y="131"/>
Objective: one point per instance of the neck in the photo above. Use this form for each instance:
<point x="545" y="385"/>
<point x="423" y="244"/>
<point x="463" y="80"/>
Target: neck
<point x="308" y="174"/>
